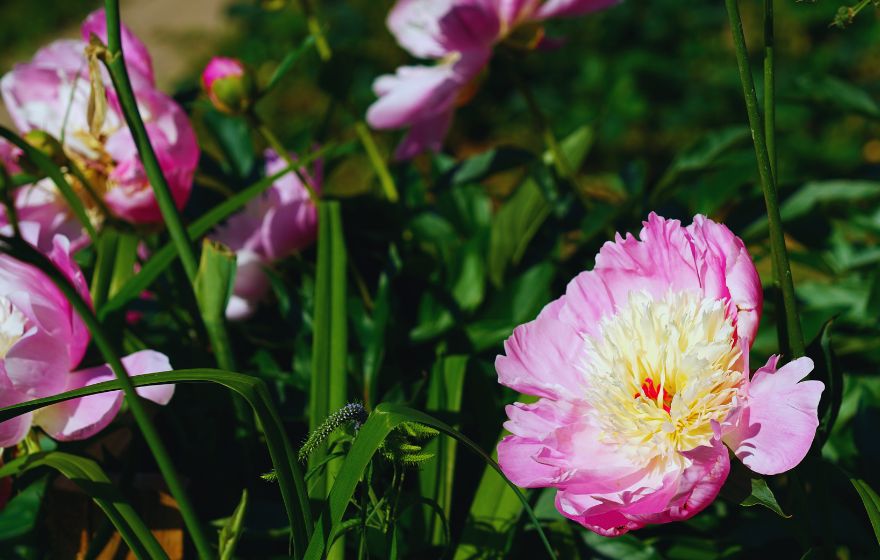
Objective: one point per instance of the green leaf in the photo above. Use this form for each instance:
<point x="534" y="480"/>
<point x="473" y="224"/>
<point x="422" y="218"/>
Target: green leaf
<point x="48" y="168"/>
<point x="385" y="418"/>
<point x="816" y="193"/>
<point x="86" y="474"/>
<point x="513" y="228"/>
<point x="19" y="516"/>
<point x="625" y="547"/>
<point x="445" y="389"/>
<point x="827" y="370"/>
<point x="328" y="390"/>
<point x="486" y="164"/>
<point x="700" y="156"/>
<point x="233" y="137"/>
<point x="232" y="529"/>
<point x="762" y="496"/>
<point x="834" y="92"/>
<point x="871" y="501"/>
<point x="254" y="391"/>
<point x="575" y="147"/>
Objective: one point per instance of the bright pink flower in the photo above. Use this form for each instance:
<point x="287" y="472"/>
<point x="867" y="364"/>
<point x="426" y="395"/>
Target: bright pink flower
<point x="42" y="341"/>
<point x="280" y="222"/>
<point x="51" y="93"/>
<point x="460" y="35"/>
<point x="229" y="84"/>
<point x="642" y="373"/>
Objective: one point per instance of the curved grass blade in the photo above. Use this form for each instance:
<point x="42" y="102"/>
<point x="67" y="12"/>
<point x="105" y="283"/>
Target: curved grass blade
<point x="89" y="476"/>
<point x="48" y="167"/>
<point x="381" y="422"/>
<point x="253" y="390"/>
<point x="871" y="502"/>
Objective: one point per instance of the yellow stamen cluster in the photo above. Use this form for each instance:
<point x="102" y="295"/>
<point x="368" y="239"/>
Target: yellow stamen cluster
<point x="660" y="372"/>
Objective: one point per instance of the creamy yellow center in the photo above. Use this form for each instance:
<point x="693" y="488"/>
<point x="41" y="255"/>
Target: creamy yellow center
<point x="660" y="372"/>
<point x="12" y="325"/>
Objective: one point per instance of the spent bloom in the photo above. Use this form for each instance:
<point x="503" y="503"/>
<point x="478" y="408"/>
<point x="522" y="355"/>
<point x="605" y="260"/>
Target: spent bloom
<point x="51" y="93"/>
<point x="42" y="342"/>
<point x="278" y="223"/>
<point x="460" y="36"/>
<point x="229" y="85"/>
<point x="643" y="377"/>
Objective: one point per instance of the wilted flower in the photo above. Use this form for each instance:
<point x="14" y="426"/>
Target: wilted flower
<point x="460" y="35"/>
<point x="643" y="378"/>
<point x="43" y="340"/>
<point x="229" y="85"/>
<point x="51" y="94"/>
<point x="280" y="222"/>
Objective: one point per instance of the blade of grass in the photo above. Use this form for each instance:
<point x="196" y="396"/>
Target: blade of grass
<point x="328" y="389"/>
<point x="89" y="476"/>
<point x="24" y="252"/>
<point x="445" y="390"/>
<point x="254" y="391"/>
<point x="381" y="422"/>
<point x="871" y="502"/>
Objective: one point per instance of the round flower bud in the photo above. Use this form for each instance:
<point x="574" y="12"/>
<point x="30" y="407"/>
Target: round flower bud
<point x="229" y="85"/>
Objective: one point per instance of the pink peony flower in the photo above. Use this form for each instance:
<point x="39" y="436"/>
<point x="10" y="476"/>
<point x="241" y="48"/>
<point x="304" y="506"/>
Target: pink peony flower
<point x="51" y="93"/>
<point x="229" y="85"/>
<point x="643" y="378"/>
<point x="43" y="340"/>
<point x="280" y="222"/>
<point x="460" y="35"/>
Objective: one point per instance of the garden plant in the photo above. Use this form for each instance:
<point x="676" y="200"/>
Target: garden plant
<point x="443" y="279"/>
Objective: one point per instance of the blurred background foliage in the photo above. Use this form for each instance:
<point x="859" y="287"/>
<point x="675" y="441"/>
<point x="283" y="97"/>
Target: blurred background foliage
<point x="646" y="100"/>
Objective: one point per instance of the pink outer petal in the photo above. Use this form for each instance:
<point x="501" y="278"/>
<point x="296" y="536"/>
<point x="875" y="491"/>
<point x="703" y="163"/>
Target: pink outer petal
<point x="14" y="430"/>
<point x="436" y="28"/>
<point x="137" y="57"/>
<point x="740" y="276"/>
<point x="221" y="67"/>
<point x="555" y="443"/>
<point x="541" y="358"/>
<point x="424" y="135"/>
<point x="776" y="427"/>
<point x="251" y="286"/>
<point x="81" y="418"/>
<point x="571" y="8"/>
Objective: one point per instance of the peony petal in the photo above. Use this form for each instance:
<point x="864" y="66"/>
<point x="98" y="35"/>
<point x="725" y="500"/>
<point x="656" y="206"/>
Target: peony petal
<point x="778" y="423"/>
<point x="541" y="358"/>
<point x="436" y="28"/>
<point x="14" y="430"/>
<point x="426" y="135"/>
<point x="137" y="57"/>
<point x="571" y="8"/>
<point x="81" y="418"/>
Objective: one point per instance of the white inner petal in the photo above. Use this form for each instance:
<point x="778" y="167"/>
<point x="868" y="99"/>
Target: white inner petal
<point x="660" y="372"/>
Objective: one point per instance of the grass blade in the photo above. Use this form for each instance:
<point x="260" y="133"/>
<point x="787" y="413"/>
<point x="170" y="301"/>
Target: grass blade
<point x="385" y="418"/>
<point x="253" y="390"/>
<point x="89" y="476"/>
<point x="872" y="504"/>
<point x="445" y="391"/>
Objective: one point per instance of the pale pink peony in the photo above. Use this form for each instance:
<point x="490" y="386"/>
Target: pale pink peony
<point x="43" y="340"/>
<point x="280" y="222"/>
<point x="643" y="378"/>
<point x="51" y="93"/>
<point x="460" y="35"/>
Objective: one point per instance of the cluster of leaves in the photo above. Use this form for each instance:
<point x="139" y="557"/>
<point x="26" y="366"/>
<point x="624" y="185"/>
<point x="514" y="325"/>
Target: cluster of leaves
<point x="406" y="303"/>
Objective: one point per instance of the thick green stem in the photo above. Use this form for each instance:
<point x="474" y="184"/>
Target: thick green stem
<point x="377" y="161"/>
<point x="315" y="30"/>
<point x="782" y="268"/>
<point x="26" y="253"/>
<point x="115" y="62"/>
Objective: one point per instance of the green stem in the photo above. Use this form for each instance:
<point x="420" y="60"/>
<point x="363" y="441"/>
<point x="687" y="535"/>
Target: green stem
<point x="115" y="63"/>
<point x="282" y="152"/>
<point x="377" y="160"/>
<point x="770" y="86"/>
<point x="315" y="30"/>
<point x="26" y="253"/>
<point x="768" y="185"/>
<point x="6" y="191"/>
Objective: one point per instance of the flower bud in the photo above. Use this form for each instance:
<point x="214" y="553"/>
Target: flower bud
<point x="229" y="85"/>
